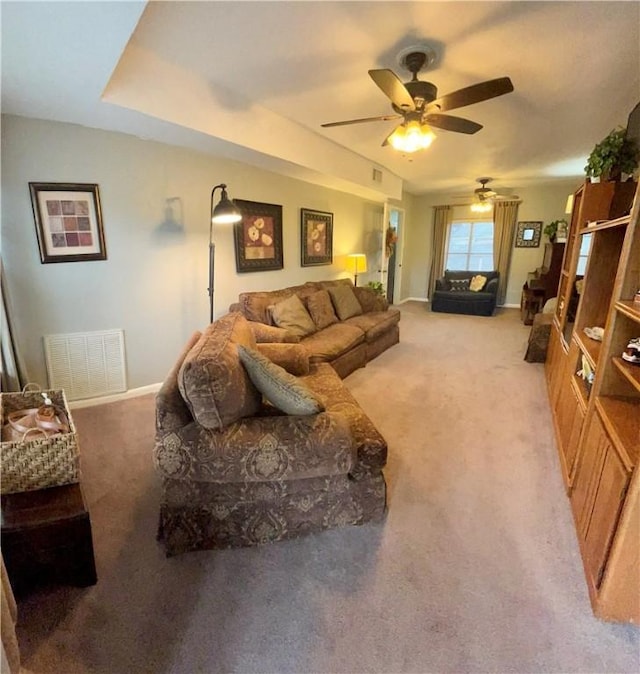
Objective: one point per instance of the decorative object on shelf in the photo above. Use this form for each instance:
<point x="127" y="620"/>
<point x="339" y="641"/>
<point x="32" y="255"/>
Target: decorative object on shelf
<point x="556" y="230"/>
<point x="377" y="287"/>
<point x="258" y="237"/>
<point x="596" y="333"/>
<point x="390" y="240"/>
<point x="316" y="237"/>
<point x="587" y="374"/>
<point x="225" y="212"/>
<point x="357" y="264"/>
<point x="528" y="234"/>
<point x="613" y="155"/>
<point x="636" y="297"/>
<point x="632" y="353"/>
<point x="68" y="222"/>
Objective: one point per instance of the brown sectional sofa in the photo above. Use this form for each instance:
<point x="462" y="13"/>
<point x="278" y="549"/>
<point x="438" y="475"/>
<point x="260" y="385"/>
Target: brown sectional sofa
<point x="347" y="344"/>
<point x="236" y="470"/>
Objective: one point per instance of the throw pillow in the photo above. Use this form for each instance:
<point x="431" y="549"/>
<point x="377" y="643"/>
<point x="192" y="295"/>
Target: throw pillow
<point x="477" y="283"/>
<point x="292" y="315"/>
<point x="345" y="302"/>
<point x="459" y="285"/>
<point x="280" y="388"/>
<point x="321" y="309"/>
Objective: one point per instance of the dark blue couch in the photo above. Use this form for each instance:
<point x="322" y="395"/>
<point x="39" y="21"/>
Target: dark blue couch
<point x="447" y="298"/>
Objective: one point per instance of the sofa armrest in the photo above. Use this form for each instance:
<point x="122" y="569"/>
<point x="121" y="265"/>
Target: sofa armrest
<point x="369" y="300"/>
<point x="441" y="284"/>
<point x="294" y="358"/>
<point x="492" y="286"/>
<point x="270" y="334"/>
<point x="257" y="449"/>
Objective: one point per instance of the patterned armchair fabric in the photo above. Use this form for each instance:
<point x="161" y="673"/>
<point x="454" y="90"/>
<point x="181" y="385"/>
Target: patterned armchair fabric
<point x="264" y="476"/>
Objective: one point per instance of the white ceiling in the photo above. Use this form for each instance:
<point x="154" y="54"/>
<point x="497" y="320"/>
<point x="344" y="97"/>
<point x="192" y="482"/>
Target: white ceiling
<point x="254" y="81"/>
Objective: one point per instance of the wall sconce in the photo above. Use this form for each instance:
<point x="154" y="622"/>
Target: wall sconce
<point x="569" y="207"/>
<point x="357" y="264"/>
<point x="225" y="212"/>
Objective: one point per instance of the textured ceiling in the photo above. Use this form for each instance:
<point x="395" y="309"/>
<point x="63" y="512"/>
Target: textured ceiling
<point x="255" y="80"/>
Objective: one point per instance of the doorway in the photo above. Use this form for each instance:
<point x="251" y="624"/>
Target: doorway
<point x="391" y="269"/>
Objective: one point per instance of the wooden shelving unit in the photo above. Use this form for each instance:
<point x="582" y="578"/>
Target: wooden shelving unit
<point x="598" y="428"/>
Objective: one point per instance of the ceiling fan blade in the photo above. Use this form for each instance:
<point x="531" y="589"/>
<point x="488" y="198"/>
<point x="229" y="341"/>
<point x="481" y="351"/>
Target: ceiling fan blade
<point x="450" y="123"/>
<point x="385" y="142"/>
<point x="473" y="94"/>
<point x="393" y="88"/>
<point x="383" y="118"/>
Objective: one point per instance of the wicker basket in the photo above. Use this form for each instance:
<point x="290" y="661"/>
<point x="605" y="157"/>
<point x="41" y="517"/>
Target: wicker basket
<point x="37" y="462"/>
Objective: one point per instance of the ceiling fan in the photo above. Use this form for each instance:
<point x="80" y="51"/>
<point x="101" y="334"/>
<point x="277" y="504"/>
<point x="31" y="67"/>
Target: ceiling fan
<point x="417" y="103"/>
<point x="483" y="196"/>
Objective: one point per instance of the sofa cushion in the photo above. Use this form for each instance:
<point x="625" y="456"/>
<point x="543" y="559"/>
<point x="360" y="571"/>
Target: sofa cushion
<point x="212" y="381"/>
<point x="292" y="315"/>
<point x="294" y="358"/>
<point x="459" y="285"/>
<point x="264" y="333"/>
<point x="477" y="283"/>
<point x="321" y="309"/>
<point x="327" y="344"/>
<point x="370" y="300"/>
<point x="279" y="387"/>
<point x="345" y="301"/>
<point x="375" y="323"/>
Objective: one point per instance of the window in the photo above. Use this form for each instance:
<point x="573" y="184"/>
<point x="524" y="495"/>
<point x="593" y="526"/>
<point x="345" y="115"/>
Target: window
<point x="470" y="245"/>
<point x="583" y="254"/>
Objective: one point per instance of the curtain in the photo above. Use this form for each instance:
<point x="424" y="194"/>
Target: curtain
<point x="13" y="376"/>
<point x="441" y="220"/>
<point x="505" y="216"/>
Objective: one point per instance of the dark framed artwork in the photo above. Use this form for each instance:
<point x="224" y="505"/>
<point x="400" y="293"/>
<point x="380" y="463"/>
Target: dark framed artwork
<point x="528" y="234"/>
<point x="258" y="237"/>
<point x="68" y="220"/>
<point x="316" y="237"/>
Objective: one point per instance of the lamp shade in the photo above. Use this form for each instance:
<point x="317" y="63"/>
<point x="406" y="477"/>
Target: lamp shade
<point x="225" y="212"/>
<point x="569" y="207"/>
<point x="357" y="263"/>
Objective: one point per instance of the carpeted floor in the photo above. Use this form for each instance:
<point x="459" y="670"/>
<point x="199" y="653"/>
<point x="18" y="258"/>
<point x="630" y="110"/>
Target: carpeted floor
<point x="476" y="568"/>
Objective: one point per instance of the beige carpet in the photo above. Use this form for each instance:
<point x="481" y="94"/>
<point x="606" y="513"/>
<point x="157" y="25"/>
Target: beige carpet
<point x="476" y="568"/>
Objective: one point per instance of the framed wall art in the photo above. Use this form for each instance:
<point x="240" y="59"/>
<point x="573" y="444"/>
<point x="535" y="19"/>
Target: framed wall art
<point x="258" y="237"/>
<point x="68" y="221"/>
<point x="316" y="237"/>
<point x="528" y="234"/>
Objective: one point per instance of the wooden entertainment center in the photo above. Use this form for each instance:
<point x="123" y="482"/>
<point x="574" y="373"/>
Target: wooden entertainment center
<point x="597" y="423"/>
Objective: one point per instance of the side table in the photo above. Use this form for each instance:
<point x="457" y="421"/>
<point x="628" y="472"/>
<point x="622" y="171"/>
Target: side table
<point x="46" y="537"/>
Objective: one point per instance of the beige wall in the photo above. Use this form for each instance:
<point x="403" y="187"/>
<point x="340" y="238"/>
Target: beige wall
<point x="542" y="202"/>
<point x="153" y="284"/>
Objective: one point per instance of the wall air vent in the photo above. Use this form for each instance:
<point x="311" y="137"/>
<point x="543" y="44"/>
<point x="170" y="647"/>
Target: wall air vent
<point x="86" y="364"/>
<point x="377" y="175"/>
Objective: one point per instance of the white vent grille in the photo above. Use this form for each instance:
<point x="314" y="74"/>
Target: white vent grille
<point x="86" y="364"/>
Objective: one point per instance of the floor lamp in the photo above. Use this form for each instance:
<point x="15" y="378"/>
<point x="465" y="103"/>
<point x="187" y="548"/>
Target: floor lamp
<point x="226" y="212"/>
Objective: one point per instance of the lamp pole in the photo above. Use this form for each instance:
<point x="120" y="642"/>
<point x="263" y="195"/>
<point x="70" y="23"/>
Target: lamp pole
<point x="212" y="254"/>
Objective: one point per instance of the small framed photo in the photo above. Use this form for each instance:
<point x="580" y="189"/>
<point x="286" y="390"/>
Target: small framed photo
<point x="68" y="220"/>
<point x="316" y="237"/>
<point x="528" y="234"/>
<point x="258" y="237"/>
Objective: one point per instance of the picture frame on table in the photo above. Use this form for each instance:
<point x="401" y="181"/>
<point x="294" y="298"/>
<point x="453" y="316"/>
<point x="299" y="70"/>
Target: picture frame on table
<point x="316" y="237"/>
<point x="258" y="237"/>
<point x="68" y="219"/>
<point x="528" y="234"/>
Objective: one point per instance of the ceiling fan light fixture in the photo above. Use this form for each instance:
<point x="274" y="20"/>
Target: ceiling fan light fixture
<point x="411" y="137"/>
<point x="481" y="206"/>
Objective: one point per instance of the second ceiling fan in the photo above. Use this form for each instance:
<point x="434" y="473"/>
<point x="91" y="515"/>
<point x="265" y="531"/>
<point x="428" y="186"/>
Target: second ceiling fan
<point x="417" y="103"/>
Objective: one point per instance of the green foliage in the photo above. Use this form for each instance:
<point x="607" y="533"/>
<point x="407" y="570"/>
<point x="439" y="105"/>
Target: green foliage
<point x="377" y="287"/>
<point x="552" y="228"/>
<point x="612" y="155"/>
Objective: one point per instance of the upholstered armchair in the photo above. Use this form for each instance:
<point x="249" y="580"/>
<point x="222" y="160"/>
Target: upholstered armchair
<point x="238" y="471"/>
<point x="457" y="293"/>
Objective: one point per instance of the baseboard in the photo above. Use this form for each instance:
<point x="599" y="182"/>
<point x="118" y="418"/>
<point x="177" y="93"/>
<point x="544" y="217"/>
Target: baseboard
<point x="131" y="393"/>
<point x="509" y="306"/>
<point x="414" y="299"/>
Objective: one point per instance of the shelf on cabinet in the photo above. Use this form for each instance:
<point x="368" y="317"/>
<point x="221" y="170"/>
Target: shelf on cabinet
<point x="629" y="308"/>
<point x="590" y="347"/>
<point x="621" y="417"/>
<point x="628" y="370"/>
<point x="606" y="224"/>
